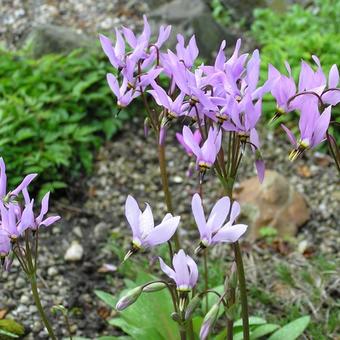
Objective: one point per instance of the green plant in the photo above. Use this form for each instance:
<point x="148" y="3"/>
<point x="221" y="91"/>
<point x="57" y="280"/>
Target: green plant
<point x="54" y="112"/>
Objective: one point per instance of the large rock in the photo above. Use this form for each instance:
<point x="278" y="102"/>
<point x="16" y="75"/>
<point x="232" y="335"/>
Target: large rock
<point x="46" y="39"/>
<point x="188" y="17"/>
<point x="274" y="204"/>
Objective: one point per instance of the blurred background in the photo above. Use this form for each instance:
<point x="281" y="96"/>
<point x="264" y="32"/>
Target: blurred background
<point x="58" y="118"/>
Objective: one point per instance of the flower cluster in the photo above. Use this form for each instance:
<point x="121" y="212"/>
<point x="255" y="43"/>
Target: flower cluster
<point x="221" y="98"/>
<point x="219" y="106"/>
<point x="313" y="92"/>
<point x="17" y="218"/>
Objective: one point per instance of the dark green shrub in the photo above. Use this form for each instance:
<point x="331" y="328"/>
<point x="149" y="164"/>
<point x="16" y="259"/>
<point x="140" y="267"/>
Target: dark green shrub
<point x="54" y="112"/>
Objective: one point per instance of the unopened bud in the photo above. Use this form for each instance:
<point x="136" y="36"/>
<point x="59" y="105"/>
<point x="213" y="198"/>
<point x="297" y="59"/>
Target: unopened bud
<point x="193" y="304"/>
<point x="129" y="298"/>
<point x="154" y="287"/>
<point x="209" y="321"/>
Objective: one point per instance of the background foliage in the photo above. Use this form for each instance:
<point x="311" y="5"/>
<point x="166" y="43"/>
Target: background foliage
<point x="54" y="112"/>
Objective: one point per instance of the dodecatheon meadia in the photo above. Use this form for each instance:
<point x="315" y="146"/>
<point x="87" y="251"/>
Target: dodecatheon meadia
<point x="144" y="232"/>
<point x="115" y="54"/>
<point x="184" y="274"/>
<point x="131" y="86"/>
<point x="283" y="89"/>
<point x="6" y="197"/>
<point x="312" y="126"/>
<point x="207" y="153"/>
<point x="331" y="95"/>
<point x="173" y="108"/>
<point x="28" y="220"/>
<point x="197" y="137"/>
<point x="9" y="220"/>
<point x="187" y="55"/>
<point x="311" y="85"/>
<point x="215" y="230"/>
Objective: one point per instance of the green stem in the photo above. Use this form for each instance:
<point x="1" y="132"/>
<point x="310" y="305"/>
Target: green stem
<point x="206" y="279"/>
<point x="243" y="290"/>
<point x="183" y="333"/>
<point x="165" y="184"/>
<point x="33" y="281"/>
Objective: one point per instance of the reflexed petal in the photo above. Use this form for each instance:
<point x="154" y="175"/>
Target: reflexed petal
<point x="235" y="211"/>
<point x="162" y="233"/>
<point x="290" y="135"/>
<point x="321" y="127"/>
<point x="193" y="271"/>
<point x="3" y="178"/>
<point x="113" y="83"/>
<point x="230" y="233"/>
<point x="146" y="222"/>
<point x="190" y="141"/>
<point x="221" y="211"/>
<point x="181" y="268"/>
<point x="333" y="79"/>
<point x="198" y="212"/>
<point x="49" y="220"/>
<point x="44" y="207"/>
<point x="132" y="213"/>
<point x="167" y="270"/>
<point x="260" y="169"/>
<point x="24" y="184"/>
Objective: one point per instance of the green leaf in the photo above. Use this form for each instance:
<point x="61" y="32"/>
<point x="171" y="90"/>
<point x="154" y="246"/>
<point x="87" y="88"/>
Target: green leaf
<point x="253" y="320"/>
<point x="262" y="330"/>
<point x="8" y="334"/>
<point x="107" y="298"/>
<point x="12" y="326"/>
<point x="292" y="330"/>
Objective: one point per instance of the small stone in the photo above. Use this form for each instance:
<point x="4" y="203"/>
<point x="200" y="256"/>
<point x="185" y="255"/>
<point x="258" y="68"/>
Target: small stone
<point x="52" y="271"/>
<point x="33" y="309"/>
<point x="20" y="283"/>
<point x="25" y="300"/>
<point x="177" y="179"/>
<point x="37" y="327"/>
<point x="77" y="231"/>
<point x="101" y="230"/>
<point x="74" y="253"/>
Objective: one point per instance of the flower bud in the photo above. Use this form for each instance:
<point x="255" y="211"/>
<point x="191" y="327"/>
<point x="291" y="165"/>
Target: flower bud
<point x="193" y="304"/>
<point x="154" y="287"/>
<point x="209" y="321"/>
<point x="128" y="299"/>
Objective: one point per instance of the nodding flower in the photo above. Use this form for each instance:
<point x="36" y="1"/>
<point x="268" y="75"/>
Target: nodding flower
<point x="144" y="232"/>
<point x="184" y="274"/>
<point x="216" y="229"/>
<point x="312" y="126"/>
<point x="207" y="153"/>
